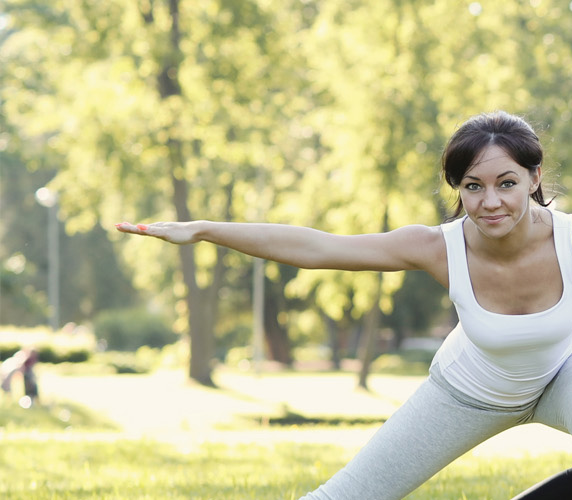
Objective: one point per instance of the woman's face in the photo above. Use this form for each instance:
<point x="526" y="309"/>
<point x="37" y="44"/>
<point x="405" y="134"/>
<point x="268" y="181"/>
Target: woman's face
<point x="495" y="192"/>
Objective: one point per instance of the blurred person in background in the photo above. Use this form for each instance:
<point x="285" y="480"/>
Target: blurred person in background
<point x="22" y="362"/>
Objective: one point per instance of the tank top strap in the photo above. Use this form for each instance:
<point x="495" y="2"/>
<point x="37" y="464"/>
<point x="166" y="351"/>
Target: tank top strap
<point x="562" y="228"/>
<point x="459" y="279"/>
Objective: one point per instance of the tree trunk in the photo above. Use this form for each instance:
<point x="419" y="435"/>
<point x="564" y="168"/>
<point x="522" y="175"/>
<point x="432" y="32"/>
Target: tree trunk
<point x="366" y="348"/>
<point x="372" y="322"/>
<point x="198" y="304"/>
<point x="276" y="334"/>
<point x="201" y="303"/>
<point x="334" y="337"/>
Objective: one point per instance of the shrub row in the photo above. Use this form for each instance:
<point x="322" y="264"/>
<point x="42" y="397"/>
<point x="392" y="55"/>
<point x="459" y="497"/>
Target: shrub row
<point x="130" y="329"/>
<point x="49" y="354"/>
<point x="52" y="347"/>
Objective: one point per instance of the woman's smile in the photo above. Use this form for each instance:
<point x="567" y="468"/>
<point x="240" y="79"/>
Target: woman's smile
<point x="493" y="219"/>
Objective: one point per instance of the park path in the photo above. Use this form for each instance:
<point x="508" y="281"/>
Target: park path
<point x="166" y="406"/>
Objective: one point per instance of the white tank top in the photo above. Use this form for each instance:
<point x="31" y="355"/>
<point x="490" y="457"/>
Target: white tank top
<point x="505" y="360"/>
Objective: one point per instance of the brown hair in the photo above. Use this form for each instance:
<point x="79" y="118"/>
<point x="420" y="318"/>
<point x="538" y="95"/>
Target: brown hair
<point x="509" y="132"/>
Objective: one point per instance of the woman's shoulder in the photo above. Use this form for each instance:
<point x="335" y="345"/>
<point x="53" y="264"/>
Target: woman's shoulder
<point x="427" y="250"/>
<point x="423" y="235"/>
<point x="417" y="241"/>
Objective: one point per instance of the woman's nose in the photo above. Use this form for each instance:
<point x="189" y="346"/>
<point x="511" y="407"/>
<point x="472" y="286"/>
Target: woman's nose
<point x="491" y="199"/>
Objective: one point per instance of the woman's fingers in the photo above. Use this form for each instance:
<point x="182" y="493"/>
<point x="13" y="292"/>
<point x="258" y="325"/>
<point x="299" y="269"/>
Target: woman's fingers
<point x="126" y="227"/>
<point x="167" y="231"/>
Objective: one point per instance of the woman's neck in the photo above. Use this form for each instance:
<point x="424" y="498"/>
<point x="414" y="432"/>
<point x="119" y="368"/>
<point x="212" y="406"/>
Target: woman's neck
<point x="533" y="228"/>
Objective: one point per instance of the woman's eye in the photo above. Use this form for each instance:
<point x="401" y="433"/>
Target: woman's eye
<point x="508" y="184"/>
<point x="473" y="186"/>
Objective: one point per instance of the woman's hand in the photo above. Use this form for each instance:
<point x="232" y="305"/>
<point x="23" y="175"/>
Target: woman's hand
<point x="180" y="233"/>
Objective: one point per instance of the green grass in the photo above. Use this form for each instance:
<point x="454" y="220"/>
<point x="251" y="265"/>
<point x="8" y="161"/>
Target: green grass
<point x="141" y="470"/>
<point x="472" y="478"/>
<point x="122" y="470"/>
<point x="66" y="451"/>
<point x="54" y="417"/>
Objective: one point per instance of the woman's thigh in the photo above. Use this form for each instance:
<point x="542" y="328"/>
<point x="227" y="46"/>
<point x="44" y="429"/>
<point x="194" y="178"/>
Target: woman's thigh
<point x="555" y="405"/>
<point x="428" y="432"/>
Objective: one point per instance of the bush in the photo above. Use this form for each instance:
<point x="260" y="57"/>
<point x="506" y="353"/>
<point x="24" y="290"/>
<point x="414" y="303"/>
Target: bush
<point x="403" y="363"/>
<point x="52" y="347"/>
<point x="48" y="353"/>
<point x="130" y="329"/>
<point x="7" y="350"/>
<point x="239" y="357"/>
<point x="145" y="360"/>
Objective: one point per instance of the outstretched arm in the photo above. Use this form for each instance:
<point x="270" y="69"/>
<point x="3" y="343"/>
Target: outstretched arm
<point x="411" y="247"/>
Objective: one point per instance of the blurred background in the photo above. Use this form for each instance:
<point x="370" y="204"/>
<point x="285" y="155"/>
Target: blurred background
<point x="325" y="113"/>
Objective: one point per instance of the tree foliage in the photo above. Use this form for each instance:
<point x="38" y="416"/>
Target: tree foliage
<point x="328" y="113"/>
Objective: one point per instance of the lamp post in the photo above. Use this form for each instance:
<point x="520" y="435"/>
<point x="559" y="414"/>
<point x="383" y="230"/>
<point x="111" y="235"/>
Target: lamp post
<point x="258" y="289"/>
<point x="49" y="199"/>
<point x="258" y="313"/>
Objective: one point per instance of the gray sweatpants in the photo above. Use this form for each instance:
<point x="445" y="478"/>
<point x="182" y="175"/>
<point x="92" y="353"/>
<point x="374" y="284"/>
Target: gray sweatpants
<point x="434" y="427"/>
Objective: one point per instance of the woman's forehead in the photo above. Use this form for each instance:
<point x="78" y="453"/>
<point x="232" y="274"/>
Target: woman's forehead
<point x="491" y="160"/>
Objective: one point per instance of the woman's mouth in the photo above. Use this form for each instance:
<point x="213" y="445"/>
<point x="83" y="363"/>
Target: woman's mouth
<point x="493" y="219"/>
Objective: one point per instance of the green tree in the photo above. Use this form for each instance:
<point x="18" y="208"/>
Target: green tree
<point x="378" y="152"/>
<point x="157" y="109"/>
<point x="90" y="279"/>
<point x="400" y="76"/>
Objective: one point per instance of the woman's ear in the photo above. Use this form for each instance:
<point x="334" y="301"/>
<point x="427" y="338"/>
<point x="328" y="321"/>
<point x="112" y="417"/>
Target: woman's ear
<point x="535" y="178"/>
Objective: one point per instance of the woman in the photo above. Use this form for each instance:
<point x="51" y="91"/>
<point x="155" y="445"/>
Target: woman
<point x="508" y="267"/>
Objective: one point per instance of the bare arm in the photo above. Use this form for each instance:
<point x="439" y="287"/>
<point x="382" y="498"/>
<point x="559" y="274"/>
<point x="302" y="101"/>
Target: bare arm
<point x="410" y="247"/>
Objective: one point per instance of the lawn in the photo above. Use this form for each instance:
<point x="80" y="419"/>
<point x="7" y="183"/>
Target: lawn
<point x="66" y="451"/>
<point x="122" y="470"/>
